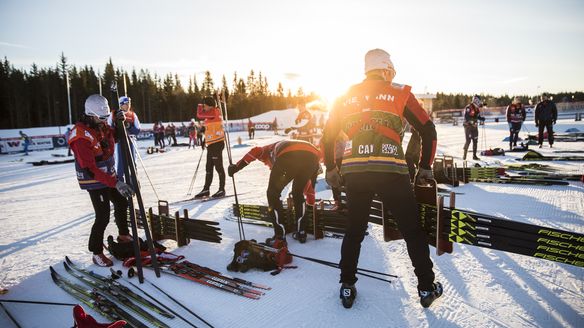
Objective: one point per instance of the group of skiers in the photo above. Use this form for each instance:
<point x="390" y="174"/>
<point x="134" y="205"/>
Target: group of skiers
<point x="546" y="115"/>
<point x="368" y="118"/>
<point x="361" y="149"/>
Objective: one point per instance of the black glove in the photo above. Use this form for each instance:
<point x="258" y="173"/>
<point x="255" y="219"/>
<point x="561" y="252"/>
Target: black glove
<point x="124" y="189"/>
<point x="424" y="176"/>
<point x="120" y="115"/>
<point x="232" y="169"/>
<point x="536" y="124"/>
<point x="333" y="178"/>
<point x="482" y="118"/>
<point x="554" y="122"/>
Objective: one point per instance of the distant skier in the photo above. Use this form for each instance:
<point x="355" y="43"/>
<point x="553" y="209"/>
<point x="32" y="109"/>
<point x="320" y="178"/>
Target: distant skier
<point x="250" y="128"/>
<point x="371" y="114"/>
<point x="288" y="160"/>
<point x="171" y="134"/>
<point x="92" y="141"/>
<point x="546" y="115"/>
<point x="472" y="114"/>
<point x="215" y="140"/>
<point x="67" y="134"/>
<point x="192" y="133"/>
<point x="25" y="141"/>
<point x="133" y="127"/>
<point x="515" y="117"/>
<point x="201" y="134"/>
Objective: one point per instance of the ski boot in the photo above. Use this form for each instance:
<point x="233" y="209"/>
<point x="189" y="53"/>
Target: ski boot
<point x="220" y="193"/>
<point x="102" y="260"/>
<point x="203" y="194"/>
<point x="347" y="295"/>
<point x="429" y="296"/>
<point x="300" y="236"/>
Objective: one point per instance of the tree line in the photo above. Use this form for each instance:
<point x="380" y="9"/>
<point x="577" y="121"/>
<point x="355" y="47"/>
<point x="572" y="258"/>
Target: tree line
<point x="459" y="100"/>
<point x="38" y="96"/>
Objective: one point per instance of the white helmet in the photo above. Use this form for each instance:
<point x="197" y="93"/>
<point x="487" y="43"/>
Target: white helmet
<point x="476" y="100"/>
<point x="378" y="59"/>
<point x="516" y="101"/>
<point x="97" y="106"/>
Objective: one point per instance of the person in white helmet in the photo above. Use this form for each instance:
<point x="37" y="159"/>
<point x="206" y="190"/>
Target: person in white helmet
<point x="370" y="114"/>
<point x="92" y="142"/>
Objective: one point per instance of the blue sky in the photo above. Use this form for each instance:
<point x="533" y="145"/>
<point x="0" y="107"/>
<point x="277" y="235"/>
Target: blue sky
<point x="515" y="47"/>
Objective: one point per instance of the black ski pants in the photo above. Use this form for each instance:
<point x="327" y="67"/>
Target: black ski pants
<point x="298" y="167"/>
<point x="514" y="128"/>
<point x="549" y="126"/>
<point x="101" y="198"/>
<point x="215" y="160"/>
<point x="396" y="193"/>
<point x="471" y="133"/>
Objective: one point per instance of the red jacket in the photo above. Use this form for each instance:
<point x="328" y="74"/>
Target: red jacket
<point x="94" y="161"/>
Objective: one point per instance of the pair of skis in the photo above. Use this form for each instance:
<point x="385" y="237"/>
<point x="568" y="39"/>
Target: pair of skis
<point x="215" y="279"/>
<point x="106" y="295"/>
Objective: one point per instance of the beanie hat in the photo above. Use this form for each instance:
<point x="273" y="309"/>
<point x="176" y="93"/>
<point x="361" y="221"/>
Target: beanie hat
<point x="378" y="59"/>
<point x="209" y="101"/>
<point x="124" y="100"/>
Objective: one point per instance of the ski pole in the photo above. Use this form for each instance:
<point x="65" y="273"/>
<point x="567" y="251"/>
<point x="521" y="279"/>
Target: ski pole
<point x="195" y="175"/>
<point x="130" y="175"/>
<point x="37" y="302"/>
<point x="239" y="221"/>
<point x="336" y="265"/>
<point x="144" y="168"/>
<point x="10" y="315"/>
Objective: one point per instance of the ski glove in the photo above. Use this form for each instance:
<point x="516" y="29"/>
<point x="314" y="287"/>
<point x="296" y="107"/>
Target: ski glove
<point x="120" y="115"/>
<point x="124" y="189"/>
<point x="424" y="176"/>
<point x="234" y="168"/>
<point x="333" y="178"/>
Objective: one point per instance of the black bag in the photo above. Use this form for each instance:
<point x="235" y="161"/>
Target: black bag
<point x="248" y="254"/>
<point x="123" y="251"/>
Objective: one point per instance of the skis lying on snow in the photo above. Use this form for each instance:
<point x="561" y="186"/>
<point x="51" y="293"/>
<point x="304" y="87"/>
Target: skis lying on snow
<point x="118" y="275"/>
<point x="117" y="288"/>
<point x="96" y="300"/>
<point x="205" y="276"/>
<point x="114" y="293"/>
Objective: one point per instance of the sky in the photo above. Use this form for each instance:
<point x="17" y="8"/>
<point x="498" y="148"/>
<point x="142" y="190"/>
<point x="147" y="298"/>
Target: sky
<point x="497" y="47"/>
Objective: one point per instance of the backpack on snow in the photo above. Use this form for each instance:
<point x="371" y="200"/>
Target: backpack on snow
<point x="248" y="254"/>
<point x="493" y="152"/>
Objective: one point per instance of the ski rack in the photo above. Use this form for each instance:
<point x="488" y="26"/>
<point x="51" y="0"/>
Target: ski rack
<point x="180" y="229"/>
<point x="324" y="219"/>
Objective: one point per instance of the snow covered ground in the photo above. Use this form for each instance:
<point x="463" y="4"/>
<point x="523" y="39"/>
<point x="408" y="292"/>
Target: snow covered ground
<point x="45" y="216"/>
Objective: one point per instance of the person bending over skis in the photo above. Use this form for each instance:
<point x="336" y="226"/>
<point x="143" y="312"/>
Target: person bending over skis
<point x="289" y="160"/>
